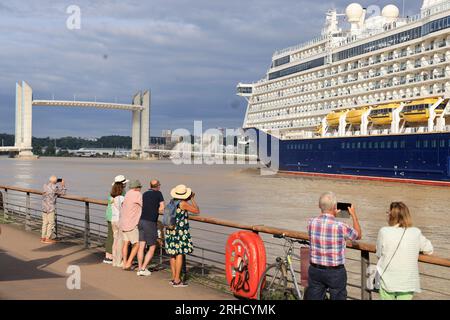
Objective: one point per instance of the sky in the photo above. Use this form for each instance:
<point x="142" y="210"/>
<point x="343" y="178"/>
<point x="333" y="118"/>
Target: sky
<point x="191" y="54"/>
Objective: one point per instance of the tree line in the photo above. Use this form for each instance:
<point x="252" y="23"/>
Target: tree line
<point x="48" y="146"/>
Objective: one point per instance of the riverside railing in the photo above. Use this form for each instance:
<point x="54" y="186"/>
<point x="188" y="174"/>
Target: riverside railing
<point x="83" y="219"/>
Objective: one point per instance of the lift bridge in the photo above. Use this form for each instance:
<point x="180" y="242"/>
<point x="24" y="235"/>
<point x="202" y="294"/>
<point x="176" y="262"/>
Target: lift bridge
<point x="140" y="109"/>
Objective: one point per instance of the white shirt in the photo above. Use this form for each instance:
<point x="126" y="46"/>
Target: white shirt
<point x="116" y="207"/>
<point x="402" y="274"/>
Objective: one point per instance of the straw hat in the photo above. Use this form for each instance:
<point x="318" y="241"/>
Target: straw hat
<point x="181" y="192"/>
<point x="121" y="179"/>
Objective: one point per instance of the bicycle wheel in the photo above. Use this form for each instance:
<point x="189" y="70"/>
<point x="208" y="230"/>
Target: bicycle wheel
<point x="273" y="284"/>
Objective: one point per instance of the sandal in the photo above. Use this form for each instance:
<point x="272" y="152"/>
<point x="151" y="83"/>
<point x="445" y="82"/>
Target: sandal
<point x="180" y="284"/>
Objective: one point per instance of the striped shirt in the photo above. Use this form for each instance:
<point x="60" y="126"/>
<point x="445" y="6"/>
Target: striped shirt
<point x="328" y="240"/>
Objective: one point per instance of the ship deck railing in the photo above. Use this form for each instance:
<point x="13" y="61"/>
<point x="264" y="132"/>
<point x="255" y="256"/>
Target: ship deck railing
<point x="407" y="21"/>
<point x="82" y="219"/>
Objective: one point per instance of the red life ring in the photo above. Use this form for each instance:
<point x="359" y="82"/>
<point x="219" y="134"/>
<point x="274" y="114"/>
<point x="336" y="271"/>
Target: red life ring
<point x="245" y="262"/>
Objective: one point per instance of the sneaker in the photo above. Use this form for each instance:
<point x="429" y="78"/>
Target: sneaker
<point x="181" y="284"/>
<point x="107" y="261"/>
<point x="144" y="273"/>
<point x="119" y="265"/>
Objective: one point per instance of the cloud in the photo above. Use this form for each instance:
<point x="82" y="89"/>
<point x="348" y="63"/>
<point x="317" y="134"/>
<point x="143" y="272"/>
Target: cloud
<point x="190" y="53"/>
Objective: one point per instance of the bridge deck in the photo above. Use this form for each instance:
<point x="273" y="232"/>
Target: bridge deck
<point x="86" y="104"/>
<point x="31" y="270"/>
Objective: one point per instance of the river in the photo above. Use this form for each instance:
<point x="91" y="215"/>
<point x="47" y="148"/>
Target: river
<point x="239" y="193"/>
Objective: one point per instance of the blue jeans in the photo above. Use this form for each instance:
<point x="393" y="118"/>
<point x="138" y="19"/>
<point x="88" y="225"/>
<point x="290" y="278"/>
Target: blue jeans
<point x="319" y="280"/>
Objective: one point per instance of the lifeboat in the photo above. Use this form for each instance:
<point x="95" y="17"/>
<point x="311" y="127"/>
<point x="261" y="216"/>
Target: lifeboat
<point x="334" y="117"/>
<point x="382" y="115"/>
<point x="418" y="111"/>
<point x="354" y="116"/>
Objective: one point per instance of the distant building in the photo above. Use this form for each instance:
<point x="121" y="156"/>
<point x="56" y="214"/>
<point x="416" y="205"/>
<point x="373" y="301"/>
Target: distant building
<point x="166" y="134"/>
<point x="222" y="131"/>
<point x="93" y="152"/>
<point x="158" y="140"/>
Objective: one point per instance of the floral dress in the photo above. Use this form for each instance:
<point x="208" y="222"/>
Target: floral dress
<point x="178" y="240"/>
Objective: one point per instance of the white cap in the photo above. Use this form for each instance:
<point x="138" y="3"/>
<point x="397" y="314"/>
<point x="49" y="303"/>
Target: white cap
<point x="120" y="178"/>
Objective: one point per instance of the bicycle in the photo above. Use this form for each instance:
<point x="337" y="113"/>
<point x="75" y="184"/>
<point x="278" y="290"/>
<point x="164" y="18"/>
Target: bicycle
<point x="276" y="281"/>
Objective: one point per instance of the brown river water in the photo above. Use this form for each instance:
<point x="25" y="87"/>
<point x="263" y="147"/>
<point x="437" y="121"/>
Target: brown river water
<point x="239" y="193"/>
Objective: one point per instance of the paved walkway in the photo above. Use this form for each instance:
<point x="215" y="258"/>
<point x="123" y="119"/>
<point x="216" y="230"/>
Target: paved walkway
<point x="31" y="270"/>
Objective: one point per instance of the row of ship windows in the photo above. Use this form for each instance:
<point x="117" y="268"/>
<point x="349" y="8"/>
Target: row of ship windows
<point x="396" y="144"/>
<point x="395" y="39"/>
<point x="257" y="117"/>
<point x="380" y="58"/>
<point x="384" y="71"/>
<point x="436" y="88"/>
<point x="378" y="44"/>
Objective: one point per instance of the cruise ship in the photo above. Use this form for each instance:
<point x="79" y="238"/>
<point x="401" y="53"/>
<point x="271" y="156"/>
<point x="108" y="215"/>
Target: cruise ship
<point x="368" y="99"/>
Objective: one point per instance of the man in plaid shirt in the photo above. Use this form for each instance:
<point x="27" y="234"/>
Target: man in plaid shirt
<point x="328" y="238"/>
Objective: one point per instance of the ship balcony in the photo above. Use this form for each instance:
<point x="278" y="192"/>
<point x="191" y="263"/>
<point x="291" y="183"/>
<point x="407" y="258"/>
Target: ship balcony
<point x="343" y="82"/>
<point x="406" y="54"/>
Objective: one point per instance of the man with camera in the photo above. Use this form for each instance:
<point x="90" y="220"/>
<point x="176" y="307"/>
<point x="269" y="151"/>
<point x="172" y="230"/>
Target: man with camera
<point x="52" y="190"/>
<point x="328" y="238"/>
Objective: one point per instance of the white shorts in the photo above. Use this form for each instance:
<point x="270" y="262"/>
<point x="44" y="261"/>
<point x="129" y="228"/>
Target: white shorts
<point x="131" y="236"/>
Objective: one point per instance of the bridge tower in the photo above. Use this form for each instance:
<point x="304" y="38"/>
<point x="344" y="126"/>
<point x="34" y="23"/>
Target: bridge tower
<point x="24" y="120"/>
<point x="145" y="124"/>
<point x="136" y="127"/>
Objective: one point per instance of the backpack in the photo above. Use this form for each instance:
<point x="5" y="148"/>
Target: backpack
<point x="170" y="212"/>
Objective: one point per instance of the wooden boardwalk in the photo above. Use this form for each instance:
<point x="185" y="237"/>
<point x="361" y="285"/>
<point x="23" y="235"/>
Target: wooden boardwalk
<point x="32" y="270"/>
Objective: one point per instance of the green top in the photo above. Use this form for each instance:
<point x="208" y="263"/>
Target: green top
<point x="109" y="209"/>
<point x="108" y="214"/>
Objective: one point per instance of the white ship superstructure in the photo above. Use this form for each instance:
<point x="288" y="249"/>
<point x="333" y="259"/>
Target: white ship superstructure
<point x="384" y="74"/>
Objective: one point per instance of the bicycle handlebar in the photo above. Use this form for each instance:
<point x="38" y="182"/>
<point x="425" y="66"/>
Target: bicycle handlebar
<point x="283" y="236"/>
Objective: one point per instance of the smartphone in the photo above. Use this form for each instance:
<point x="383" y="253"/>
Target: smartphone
<point x="59" y="180"/>
<point x="343" y="207"/>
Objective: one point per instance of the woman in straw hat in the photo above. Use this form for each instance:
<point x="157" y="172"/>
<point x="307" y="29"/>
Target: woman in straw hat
<point x="178" y="240"/>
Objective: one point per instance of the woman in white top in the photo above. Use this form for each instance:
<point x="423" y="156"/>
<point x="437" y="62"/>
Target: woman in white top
<point x="117" y="198"/>
<point x="398" y="249"/>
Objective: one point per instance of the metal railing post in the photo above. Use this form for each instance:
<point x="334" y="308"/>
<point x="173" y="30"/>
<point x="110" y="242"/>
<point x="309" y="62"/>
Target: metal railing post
<point x="5" y="206"/>
<point x="87" y="225"/>
<point x="28" y="212"/>
<point x="203" y="262"/>
<point x="365" y="263"/>
<point x="55" y="231"/>
<point x="1" y="202"/>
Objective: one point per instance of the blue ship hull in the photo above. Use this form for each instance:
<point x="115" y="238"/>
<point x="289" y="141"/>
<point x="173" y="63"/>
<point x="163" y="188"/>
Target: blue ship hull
<point x="407" y="157"/>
